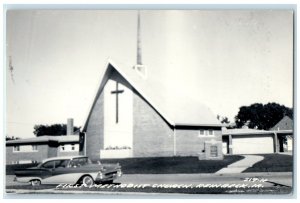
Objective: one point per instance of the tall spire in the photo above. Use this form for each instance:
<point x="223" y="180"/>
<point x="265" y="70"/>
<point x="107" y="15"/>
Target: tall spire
<point x="139" y="67"/>
<point x="139" y="50"/>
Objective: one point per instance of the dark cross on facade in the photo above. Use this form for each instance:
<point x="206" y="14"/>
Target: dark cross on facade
<point x="117" y="92"/>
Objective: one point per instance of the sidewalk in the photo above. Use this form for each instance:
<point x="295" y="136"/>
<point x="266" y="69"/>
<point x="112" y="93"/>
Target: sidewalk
<point x="287" y="153"/>
<point x="242" y="165"/>
<point x="268" y="181"/>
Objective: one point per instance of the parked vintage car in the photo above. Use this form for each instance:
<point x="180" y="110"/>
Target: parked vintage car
<point x="69" y="170"/>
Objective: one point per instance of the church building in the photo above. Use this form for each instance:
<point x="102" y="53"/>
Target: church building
<point x="130" y="118"/>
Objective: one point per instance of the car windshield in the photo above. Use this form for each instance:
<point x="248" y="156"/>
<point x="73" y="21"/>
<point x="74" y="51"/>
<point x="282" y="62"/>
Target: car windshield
<point x="77" y="162"/>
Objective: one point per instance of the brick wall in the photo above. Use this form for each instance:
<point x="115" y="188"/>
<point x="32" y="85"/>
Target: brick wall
<point x="94" y="132"/>
<point x="215" y="153"/>
<point x="74" y="153"/>
<point x="68" y="153"/>
<point x="42" y="153"/>
<point x="95" y="127"/>
<point x="152" y="136"/>
<point x="189" y="143"/>
<point x="52" y="150"/>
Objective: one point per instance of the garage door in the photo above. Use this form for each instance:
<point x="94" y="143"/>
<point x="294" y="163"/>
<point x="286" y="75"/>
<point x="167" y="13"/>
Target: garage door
<point x="255" y="144"/>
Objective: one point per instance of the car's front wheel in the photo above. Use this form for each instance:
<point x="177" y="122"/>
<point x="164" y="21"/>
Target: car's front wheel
<point x="87" y="181"/>
<point x="35" y="182"/>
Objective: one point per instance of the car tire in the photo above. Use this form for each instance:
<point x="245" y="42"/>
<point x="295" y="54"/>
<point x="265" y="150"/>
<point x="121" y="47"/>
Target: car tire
<point x="35" y="182"/>
<point x="87" y="181"/>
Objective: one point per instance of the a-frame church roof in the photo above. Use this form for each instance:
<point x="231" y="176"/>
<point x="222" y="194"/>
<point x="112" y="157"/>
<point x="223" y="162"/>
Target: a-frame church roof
<point x="177" y="112"/>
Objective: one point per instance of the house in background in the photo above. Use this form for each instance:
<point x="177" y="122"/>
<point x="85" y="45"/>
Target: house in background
<point x="286" y="123"/>
<point x="36" y="149"/>
<point x="284" y="130"/>
<point x="254" y="141"/>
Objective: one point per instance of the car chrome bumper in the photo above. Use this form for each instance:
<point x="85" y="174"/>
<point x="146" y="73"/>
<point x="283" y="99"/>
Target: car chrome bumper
<point x="119" y="173"/>
<point x="101" y="177"/>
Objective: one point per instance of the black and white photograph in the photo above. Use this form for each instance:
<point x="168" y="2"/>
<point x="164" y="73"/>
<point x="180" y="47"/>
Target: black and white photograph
<point x="149" y="102"/>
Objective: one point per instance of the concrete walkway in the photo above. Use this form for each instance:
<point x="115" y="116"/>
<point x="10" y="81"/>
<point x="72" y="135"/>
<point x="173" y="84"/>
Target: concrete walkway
<point x="287" y="153"/>
<point x="240" y="166"/>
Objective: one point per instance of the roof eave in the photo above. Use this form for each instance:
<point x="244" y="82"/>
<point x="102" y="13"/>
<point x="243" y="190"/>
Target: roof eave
<point x="26" y="142"/>
<point x="99" y="90"/>
<point x="111" y="63"/>
<point x="257" y="132"/>
<point x="198" y="125"/>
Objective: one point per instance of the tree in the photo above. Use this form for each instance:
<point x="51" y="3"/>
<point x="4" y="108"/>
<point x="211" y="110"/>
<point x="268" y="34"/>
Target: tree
<point x="53" y="130"/>
<point x="223" y="119"/>
<point x="262" y="116"/>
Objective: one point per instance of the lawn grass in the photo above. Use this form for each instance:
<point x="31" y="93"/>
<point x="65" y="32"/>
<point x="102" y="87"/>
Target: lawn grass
<point x="158" y="165"/>
<point x="172" y="165"/>
<point x="165" y="165"/>
<point x="273" y="163"/>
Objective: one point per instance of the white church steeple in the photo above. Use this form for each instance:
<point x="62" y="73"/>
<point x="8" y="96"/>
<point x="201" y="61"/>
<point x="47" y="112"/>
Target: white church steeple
<point x="139" y="67"/>
<point x="139" y="49"/>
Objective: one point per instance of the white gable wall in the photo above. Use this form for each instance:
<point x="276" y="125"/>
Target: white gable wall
<point x="118" y="134"/>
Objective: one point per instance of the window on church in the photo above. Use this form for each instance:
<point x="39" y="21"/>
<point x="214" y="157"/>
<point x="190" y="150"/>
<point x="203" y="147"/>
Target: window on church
<point x="73" y="147"/>
<point x="206" y="133"/>
<point x="62" y="148"/>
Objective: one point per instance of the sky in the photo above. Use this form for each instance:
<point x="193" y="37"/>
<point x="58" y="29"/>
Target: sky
<point x="222" y="58"/>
